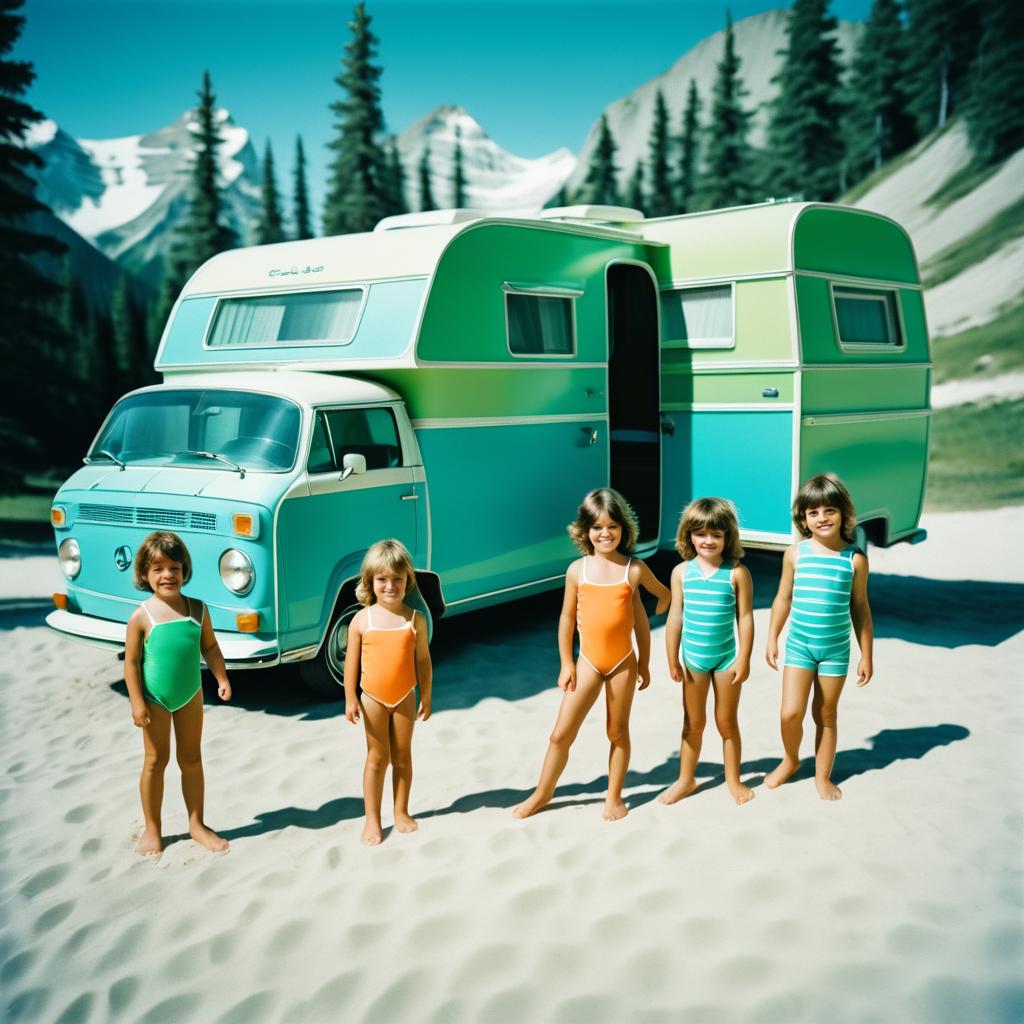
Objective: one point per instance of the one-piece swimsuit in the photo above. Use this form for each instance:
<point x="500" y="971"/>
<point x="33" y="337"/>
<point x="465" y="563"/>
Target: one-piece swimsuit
<point x="709" y="613"/>
<point x="387" y="661"/>
<point x="604" y="618"/>
<point x="171" y="654"/>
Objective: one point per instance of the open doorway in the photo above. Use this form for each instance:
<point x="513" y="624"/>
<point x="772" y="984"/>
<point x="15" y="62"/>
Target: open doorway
<point x="634" y="393"/>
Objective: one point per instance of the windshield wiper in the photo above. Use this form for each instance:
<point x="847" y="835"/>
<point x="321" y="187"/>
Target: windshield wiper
<point x="221" y="458"/>
<point x="89" y="460"/>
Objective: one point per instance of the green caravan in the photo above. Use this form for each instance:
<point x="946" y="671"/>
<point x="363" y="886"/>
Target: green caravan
<point x="459" y="381"/>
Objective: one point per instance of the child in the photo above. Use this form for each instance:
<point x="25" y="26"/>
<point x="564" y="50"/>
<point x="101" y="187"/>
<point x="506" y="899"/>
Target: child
<point x="601" y="599"/>
<point x="387" y="654"/>
<point x="711" y="592"/>
<point x="164" y="639"/>
<point x="825" y="582"/>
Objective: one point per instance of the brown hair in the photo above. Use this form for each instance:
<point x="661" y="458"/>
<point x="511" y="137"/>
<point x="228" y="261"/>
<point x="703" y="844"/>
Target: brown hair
<point x="828" y="490"/>
<point x="709" y="514"/>
<point x="384" y="556"/>
<point x="604" y="501"/>
<point x="165" y="543"/>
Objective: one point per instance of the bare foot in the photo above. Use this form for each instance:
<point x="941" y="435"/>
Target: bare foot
<point x="208" y="838"/>
<point x="780" y="773"/>
<point x="405" y="823"/>
<point x="828" y="790"/>
<point x="740" y="793"/>
<point x="614" y="809"/>
<point x="531" y="806"/>
<point x="678" y="789"/>
<point x="372" y="834"/>
<point x="150" y="844"/>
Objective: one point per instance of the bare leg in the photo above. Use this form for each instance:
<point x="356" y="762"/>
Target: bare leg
<point x="403" y="718"/>
<point x="571" y="712"/>
<point x="695" y="702"/>
<point x="727" y="706"/>
<point x="188" y="736"/>
<point x="796" y="686"/>
<point x="156" y="739"/>
<point x="377" y="725"/>
<point x="618" y="695"/>
<point x="826" y="707"/>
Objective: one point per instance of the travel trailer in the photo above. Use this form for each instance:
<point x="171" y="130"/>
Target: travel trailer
<point x="460" y="381"/>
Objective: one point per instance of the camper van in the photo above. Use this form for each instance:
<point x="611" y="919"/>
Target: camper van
<point x="459" y="381"/>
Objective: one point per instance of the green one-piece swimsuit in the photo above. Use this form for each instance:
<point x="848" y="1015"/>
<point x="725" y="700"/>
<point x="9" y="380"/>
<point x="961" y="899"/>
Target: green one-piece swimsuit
<point x="170" y="660"/>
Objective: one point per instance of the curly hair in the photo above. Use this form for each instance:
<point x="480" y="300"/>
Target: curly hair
<point x="390" y="556"/>
<point x="165" y="543"/>
<point x="825" y="489"/>
<point x="709" y="514"/>
<point x="604" y="502"/>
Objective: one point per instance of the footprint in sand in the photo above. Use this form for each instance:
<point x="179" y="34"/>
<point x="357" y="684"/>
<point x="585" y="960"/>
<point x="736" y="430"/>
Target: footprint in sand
<point x="121" y="994"/>
<point x="91" y="847"/>
<point x="511" y="1004"/>
<point x="252" y="1008"/>
<point x="747" y="971"/>
<point x="16" y="966"/>
<point x="488" y="964"/>
<point x="435" y="931"/>
<point x="49" y="919"/>
<point x="288" y="936"/>
<point x="128" y="942"/>
<point x="360" y="935"/>
<point x="396" y="999"/>
<point x="535" y="899"/>
<point x="45" y="879"/>
<point x="513" y="867"/>
<point x="78" y="1010"/>
<point x="83" y="812"/>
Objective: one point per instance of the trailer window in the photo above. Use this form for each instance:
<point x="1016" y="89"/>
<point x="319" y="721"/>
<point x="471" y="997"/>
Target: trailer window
<point x="539" y="325"/>
<point x="371" y="433"/>
<point x="302" y="318"/>
<point x="698" y="317"/>
<point x="866" y="316"/>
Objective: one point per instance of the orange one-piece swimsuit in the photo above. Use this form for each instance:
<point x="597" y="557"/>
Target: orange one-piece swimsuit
<point x="604" y="618"/>
<point x="388" y="662"/>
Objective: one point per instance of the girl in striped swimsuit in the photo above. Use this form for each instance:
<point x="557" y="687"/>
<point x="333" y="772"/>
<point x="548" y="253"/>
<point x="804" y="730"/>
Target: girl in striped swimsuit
<point x="603" y="603"/>
<point x="711" y="594"/>
<point x="823" y="591"/>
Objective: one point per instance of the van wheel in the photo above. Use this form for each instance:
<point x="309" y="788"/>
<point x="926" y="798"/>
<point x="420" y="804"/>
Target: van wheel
<point x="325" y="674"/>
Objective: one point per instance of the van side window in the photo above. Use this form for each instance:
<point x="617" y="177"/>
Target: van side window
<point x="301" y="318"/>
<point x="372" y="433"/>
<point x="321" y="459"/>
<point x="698" y="317"/>
<point x="539" y="325"/>
<point x="866" y="316"/>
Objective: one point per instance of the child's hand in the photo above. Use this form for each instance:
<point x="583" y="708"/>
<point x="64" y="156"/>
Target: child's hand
<point x="864" y="672"/>
<point x="662" y="606"/>
<point x="675" y="670"/>
<point x="424" y="710"/>
<point x="643" y="674"/>
<point x="567" y="678"/>
<point x="771" y="654"/>
<point x="224" y="690"/>
<point x="741" y="672"/>
<point x="352" y="711"/>
<point x="140" y="714"/>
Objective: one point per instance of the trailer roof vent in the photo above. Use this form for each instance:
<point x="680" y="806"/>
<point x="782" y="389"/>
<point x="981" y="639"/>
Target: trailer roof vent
<point x="596" y="214"/>
<point x="428" y="218"/>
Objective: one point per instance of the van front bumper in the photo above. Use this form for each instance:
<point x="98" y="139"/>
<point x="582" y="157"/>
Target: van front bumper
<point x="239" y="651"/>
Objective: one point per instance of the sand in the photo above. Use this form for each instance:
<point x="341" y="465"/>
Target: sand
<point x="901" y="903"/>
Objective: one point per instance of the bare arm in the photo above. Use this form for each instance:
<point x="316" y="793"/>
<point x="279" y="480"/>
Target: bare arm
<point x="642" y="627"/>
<point x="566" y="630"/>
<point x="780" y="607"/>
<point x="653" y="585"/>
<point x="674" y="625"/>
<point x="744" y="622"/>
<point x="352" y="653"/>
<point x="213" y="657"/>
<point x="860" y="613"/>
<point x="424" y="667"/>
<point x="134" y="638"/>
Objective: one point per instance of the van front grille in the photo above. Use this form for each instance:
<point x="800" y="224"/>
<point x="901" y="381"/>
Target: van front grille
<point x="155" y="518"/>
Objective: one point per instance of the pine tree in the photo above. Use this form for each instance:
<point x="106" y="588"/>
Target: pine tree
<point x="124" y="366"/>
<point x="271" y="228"/>
<point x="458" y="173"/>
<point x="878" y="125"/>
<point x="356" y="197"/>
<point x="635" y="198"/>
<point x="661" y="201"/>
<point x="600" y="186"/>
<point x="71" y="315"/>
<point x="395" y="179"/>
<point x="689" y="151"/>
<point x="725" y="180"/>
<point x="426" y="191"/>
<point x="995" y="124"/>
<point x="805" y="140"/>
<point x="300" y="196"/>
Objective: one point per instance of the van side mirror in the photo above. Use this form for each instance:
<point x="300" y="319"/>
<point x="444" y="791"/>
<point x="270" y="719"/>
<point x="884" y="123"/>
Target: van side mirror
<point x="352" y="463"/>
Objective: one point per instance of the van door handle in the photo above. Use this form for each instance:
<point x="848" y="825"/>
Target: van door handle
<point x="589" y="437"/>
<point x="769" y="392"/>
<point x="410" y="497"/>
<point x="591" y="393"/>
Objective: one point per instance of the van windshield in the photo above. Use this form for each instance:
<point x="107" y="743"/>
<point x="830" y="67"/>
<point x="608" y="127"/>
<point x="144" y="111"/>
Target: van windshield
<point x="159" y="428"/>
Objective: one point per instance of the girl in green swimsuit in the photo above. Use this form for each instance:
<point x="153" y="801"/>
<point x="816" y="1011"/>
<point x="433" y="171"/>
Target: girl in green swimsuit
<point x="166" y="637"/>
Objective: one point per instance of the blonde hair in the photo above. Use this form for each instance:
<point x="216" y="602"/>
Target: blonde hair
<point x="709" y="514"/>
<point x="384" y="556"/>
<point x="828" y="490"/>
<point x="165" y="543"/>
<point x="604" y="501"/>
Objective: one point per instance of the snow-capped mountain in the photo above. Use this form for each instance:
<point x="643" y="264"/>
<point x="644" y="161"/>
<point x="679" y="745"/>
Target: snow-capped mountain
<point x="495" y="179"/>
<point x="758" y="40"/>
<point x="127" y="195"/>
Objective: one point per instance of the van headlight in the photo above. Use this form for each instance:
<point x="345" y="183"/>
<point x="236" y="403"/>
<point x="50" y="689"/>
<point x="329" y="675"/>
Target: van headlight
<point x="236" y="571"/>
<point x="70" y="555"/>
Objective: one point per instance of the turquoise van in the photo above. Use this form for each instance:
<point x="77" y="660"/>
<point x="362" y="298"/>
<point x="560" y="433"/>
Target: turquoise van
<point x="459" y="381"/>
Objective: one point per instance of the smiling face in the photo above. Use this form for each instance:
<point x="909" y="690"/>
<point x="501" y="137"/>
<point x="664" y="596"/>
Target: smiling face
<point x="709" y="543"/>
<point x="389" y="587"/>
<point x="824" y="522"/>
<point x="605" y="534"/>
<point x="165" y="575"/>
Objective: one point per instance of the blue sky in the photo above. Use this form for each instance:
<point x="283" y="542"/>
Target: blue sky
<point x="535" y="74"/>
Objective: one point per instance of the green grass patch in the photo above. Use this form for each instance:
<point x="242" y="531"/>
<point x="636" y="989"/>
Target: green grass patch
<point x="977" y="458"/>
<point x="1004" y="227"/>
<point x="865" y="185"/>
<point x="986" y="351"/>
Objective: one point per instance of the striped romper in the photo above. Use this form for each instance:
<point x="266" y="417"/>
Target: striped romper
<point x="709" y="611"/>
<point x="820" y="623"/>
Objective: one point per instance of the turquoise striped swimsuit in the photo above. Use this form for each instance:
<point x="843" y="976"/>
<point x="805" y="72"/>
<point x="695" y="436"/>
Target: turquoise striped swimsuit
<point x="819" y="623"/>
<point x="709" y="611"/>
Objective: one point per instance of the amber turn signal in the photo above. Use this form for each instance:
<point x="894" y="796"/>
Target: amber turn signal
<point x="244" y="524"/>
<point x="58" y="516"/>
<point x="60" y="600"/>
<point x="248" y="622"/>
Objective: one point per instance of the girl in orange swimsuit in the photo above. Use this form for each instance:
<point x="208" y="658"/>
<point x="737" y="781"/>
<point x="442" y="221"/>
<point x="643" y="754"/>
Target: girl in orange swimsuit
<point x="603" y="604"/>
<point x="387" y="656"/>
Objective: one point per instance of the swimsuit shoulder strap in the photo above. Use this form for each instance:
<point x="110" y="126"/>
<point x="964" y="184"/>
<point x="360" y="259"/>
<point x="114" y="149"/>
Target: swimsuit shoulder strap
<point x="625" y="575"/>
<point x="145" y="607"/>
<point x="369" y="618"/>
<point x="197" y="619"/>
<point x="583" y="570"/>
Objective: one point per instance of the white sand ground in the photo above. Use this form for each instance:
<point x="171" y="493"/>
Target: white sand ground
<point x="900" y="903"/>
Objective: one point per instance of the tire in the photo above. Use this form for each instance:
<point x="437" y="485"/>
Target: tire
<point x="324" y="675"/>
